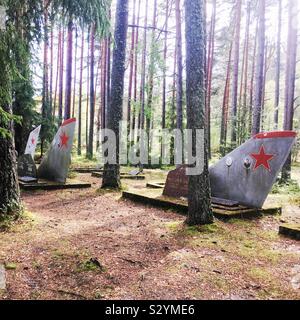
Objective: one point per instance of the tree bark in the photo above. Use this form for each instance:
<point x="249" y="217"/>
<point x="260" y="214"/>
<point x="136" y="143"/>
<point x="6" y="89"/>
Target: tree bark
<point x="80" y="95"/>
<point x="251" y="91"/>
<point x="131" y="73"/>
<point x="10" y="203"/>
<point x="143" y="74"/>
<point x="57" y="71"/>
<point x="235" y="79"/>
<point x="68" y="97"/>
<point x="210" y="61"/>
<point x="199" y="200"/>
<point x="179" y="85"/>
<point x="92" y="94"/>
<point x="111" y="175"/>
<point x="61" y="76"/>
<point x="278" y="64"/>
<point x="225" y="106"/>
<point x="290" y="80"/>
<point x="75" y="74"/>
<point x="45" y="99"/>
<point x="151" y="69"/>
<point x="244" y="85"/>
<point x="164" y="97"/>
<point x="259" y="70"/>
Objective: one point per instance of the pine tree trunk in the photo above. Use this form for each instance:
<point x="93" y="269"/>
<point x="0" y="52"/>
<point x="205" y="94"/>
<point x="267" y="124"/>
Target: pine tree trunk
<point x="164" y="97"/>
<point x="259" y="70"/>
<point x="278" y="64"/>
<point x="130" y="85"/>
<point x="244" y="94"/>
<point x="179" y="85"/>
<point x="111" y="175"/>
<point x="224" y="121"/>
<point x="75" y="75"/>
<point x="103" y="84"/>
<point x="10" y="203"/>
<point x="199" y="200"/>
<point x="135" y="89"/>
<point x="45" y="95"/>
<point x="143" y="74"/>
<point x="92" y="94"/>
<point x="151" y="67"/>
<point x="210" y="61"/>
<point x="80" y="95"/>
<point x="51" y="68"/>
<point x="251" y="91"/>
<point x="87" y="98"/>
<point x="68" y="97"/>
<point x="235" y="79"/>
<point x="61" y="76"/>
<point x="290" y="80"/>
<point x="57" y="72"/>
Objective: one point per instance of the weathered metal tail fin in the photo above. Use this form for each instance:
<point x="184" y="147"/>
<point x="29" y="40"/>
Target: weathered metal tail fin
<point x="248" y="173"/>
<point x="55" y="165"/>
<point x="33" y="141"/>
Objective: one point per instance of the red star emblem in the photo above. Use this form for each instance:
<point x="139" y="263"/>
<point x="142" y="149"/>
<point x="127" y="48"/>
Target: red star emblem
<point x="63" y="140"/>
<point x="262" y="159"/>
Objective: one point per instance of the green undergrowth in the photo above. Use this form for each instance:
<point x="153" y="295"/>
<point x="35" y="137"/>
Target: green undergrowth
<point x="291" y="187"/>
<point x="24" y="222"/>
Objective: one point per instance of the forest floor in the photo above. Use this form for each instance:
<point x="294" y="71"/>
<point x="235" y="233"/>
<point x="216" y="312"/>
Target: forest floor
<point x="91" y="244"/>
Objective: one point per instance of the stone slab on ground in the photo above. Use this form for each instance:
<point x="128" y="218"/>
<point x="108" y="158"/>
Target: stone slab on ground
<point x="154" y="197"/>
<point x="51" y="185"/>
<point x="86" y="169"/>
<point x="290" y="230"/>
<point x="123" y="176"/>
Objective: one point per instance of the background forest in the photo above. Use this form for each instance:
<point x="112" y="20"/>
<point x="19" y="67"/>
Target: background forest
<point x="251" y="57"/>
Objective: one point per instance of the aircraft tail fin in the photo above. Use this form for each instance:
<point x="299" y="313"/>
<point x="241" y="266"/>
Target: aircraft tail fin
<point x="56" y="163"/>
<point x="248" y="173"/>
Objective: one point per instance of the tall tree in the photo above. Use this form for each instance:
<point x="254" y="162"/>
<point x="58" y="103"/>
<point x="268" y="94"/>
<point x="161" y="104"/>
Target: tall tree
<point x="199" y="200"/>
<point x="46" y="112"/>
<point x="61" y="76"/>
<point x="151" y="70"/>
<point x="92" y="93"/>
<point x="179" y="84"/>
<point x="135" y="78"/>
<point x="68" y="96"/>
<point x="131" y="73"/>
<point x="225" y="106"/>
<point x="75" y="74"/>
<point x="51" y="66"/>
<point x="259" y="69"/>
<point x="290" y="78"/>
<point x="243" y="108"/>
<point x="164" y="93"/>
<point x="57" y="72"/>
<point x="143" y="73"/>
<point x="111" y="175"/>
<point x="10" y="203"/>
<point x="210" y="62"/>
<point x="251" y="89"/>
<point x="278" y="64"/>
<point x="80" y="94"/>
<point x="235" y="80"/>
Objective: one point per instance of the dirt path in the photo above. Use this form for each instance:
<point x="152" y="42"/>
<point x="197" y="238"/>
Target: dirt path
<point x="93" y="245"/>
